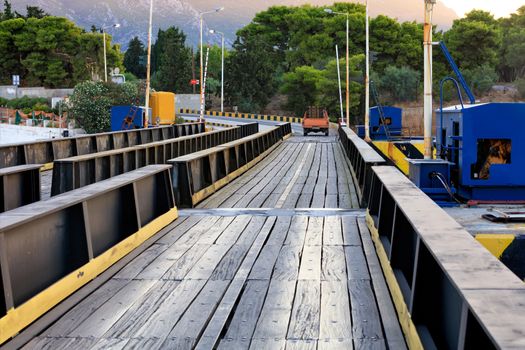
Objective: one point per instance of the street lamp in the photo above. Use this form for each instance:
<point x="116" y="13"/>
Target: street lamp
<point x="367" y="76"/>
<point x="222" y="66"/>
<point x="103" y="31"/>
<point x="148" y="66"/>
<point x="201" y="14"/>
<point x="332" y="12"/>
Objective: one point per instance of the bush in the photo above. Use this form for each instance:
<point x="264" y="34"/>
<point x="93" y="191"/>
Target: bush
<point x="520" y="85"/>
<point x="27" y="103"/>
<point x="481" y="79"/>
<point x="400" y="83"/>
<point x="91" y="102"/>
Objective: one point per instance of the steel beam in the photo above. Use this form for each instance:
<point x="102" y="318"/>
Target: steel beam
<point x="19" y="185"/>
<point x="43" y="152"/>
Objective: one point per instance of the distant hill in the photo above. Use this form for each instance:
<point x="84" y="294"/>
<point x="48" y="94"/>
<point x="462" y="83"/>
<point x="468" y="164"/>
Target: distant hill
<point x="133" y="14"/>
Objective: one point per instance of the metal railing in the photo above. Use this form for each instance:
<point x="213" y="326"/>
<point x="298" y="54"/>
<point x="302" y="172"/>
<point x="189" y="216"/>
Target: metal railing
<point x="42" y="152"/>
<point x="19" y="185"/>
<point x="75" y="172"/>
<point x="51" y="248"/>
<point x="362" y="157"/>
<point x="198" y="175"/>
<point x="454" y="293"/>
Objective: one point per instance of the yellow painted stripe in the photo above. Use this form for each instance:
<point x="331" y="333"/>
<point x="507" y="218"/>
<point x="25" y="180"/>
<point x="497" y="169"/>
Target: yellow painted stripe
<point x="405" y="319"/>
<point x="206" y="192"/>
<point x="46" y="167"/>
<point x="495" y="243"/>
<point x="393" y="153"/>
<point x="20" y="317"/>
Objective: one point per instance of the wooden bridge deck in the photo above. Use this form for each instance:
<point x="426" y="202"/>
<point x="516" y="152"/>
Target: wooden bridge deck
<point x="240" y="278"/>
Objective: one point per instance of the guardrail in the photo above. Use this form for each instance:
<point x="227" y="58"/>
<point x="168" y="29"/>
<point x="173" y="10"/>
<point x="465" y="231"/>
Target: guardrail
<point x="75" y="172"/>
<point x="198" y="175"/>
<point x="51" y="248"/>
<point x="44" y="152"/>
<point x="19" y="185"/>
<point x="275" y="118"/>
<point x="362" y="157"/>
<point x="449" y="291"/>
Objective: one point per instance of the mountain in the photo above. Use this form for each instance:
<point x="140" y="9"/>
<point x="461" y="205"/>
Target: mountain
<point x="133" y="14"/>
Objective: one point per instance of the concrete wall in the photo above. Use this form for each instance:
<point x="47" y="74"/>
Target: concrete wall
<point x="21" y="133"/>
<point x="9" y="92"/>
<point x="190" y="101"/>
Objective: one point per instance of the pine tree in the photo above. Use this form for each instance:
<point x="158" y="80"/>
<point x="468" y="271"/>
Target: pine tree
<point x="132" y="58"/>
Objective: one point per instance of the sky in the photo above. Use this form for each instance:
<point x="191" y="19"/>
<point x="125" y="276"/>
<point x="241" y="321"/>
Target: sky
<point x="500" y="8"/>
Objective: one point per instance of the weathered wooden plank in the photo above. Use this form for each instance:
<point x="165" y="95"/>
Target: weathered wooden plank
<point x="188" y="329"/>
<point x="264" y="265"/>
<point x="236" y="228"/>
<point x="113" y="344"/>
<point x="280" y="230"/>
<point x="106" y="315"/>
<point x="332" y="231"/>
<point x="333" y="264"/>
<point x="287" y="265"/>
<point x="144" y="343"/>
<point x="268" y="344"/>
<point x="214" y="233"/>
<point x="305" y="317"/>
<point x="138" y="314"/>
<point x="185" y="263"/>
<point x="205" y="266"/>
<point x="310" y="268"/>
<point x="164" y="261"/>
<point x="336" y="321"/>
<point x="335" y="344"/>
<point x="193" y="235"/>
<point x="88" y="306"/>
<point x="294" y="344"/>
<point x="366" y="322"/>
<point x="350" y="231"/>
<point x="168" y="313"/>
<point x="297" y="230"/>
<point x="356" y="263"/>
<point x="60" y="343"/>
<point x="393" y="333"/>
<point x="275" y="315"/>
<point x="227" y="267"/>
<point x="172" y="236"/>
<point x="369" y="344"/>
<point x="137" y="265"/>
<point x="247" y="311"/>
<point x="314" y="232"/>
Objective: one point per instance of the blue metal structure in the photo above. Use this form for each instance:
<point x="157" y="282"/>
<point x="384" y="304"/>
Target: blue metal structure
<point x="486" y="145"/>
<point x="128" y="117"/>
<point x="456" y="70"/>
<point x="392" y="118"/>
<point x="432" y="176"/>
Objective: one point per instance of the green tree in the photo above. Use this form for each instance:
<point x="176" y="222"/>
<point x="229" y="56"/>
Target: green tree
<point x="133" y="58"/>
<point x="401" y="84"/>
<point x="250" y="79"/>
<point x="481" y="79"/>
<point x="173" y="62"/>
<point x="512" y="53"/>
<point x="302" y="88"/>
<point x="91" y="102"/>
<point x="474" y="40"/>
<point x="8" y="12"/>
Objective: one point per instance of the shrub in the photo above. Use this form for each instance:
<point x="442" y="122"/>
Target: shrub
<point x="400" y="83"/>
<point x="520" y="85"/>
<point x="481" y="79"/>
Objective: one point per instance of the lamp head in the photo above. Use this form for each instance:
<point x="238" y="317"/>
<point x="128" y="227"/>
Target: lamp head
<point x="116" y="25"/>
<point x="219" y="9"/>
<point x="329" y="11"/>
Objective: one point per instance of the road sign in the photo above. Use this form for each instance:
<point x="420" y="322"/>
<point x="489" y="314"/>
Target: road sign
<point x="194" y="82"/>
<point x="16" y="80"/>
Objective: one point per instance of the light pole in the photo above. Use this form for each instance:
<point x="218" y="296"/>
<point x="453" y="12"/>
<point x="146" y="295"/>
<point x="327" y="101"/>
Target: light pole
<point x="367" y="78"/>
<point x="103" y="30"/>
<point x="222" y="66"/>
<point x="427" y="53"/>
<point x="332" y="12"/>
<point x="201" y="14"/>
<point x="148" y="64"/>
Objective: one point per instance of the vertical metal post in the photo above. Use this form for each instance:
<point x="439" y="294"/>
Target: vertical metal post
<point x="347" y="71"/>
<point x="201" y="72"/>
<point x="105" y="60"/>
<point x="427" y="44"/>
<point x="367" y="78"/>
<point x="339" y="81"/>
<point x="148" y="65"/>
<point x="222" y="74"/>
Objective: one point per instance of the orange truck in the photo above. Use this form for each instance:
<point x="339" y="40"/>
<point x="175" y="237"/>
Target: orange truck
<point x="315" y="120"/>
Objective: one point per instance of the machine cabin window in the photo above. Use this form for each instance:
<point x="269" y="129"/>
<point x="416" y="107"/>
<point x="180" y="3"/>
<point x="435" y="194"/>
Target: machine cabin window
<point x="490" y="152"/>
